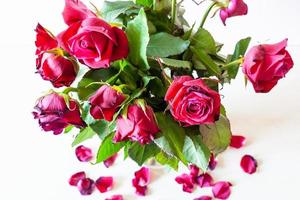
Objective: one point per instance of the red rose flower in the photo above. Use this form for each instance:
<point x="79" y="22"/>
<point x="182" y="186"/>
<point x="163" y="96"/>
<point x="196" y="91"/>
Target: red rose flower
<point x="265" y="64"/>
<point x="192" y="102"/>
<point x="94" y="42"/>
<point x="105" y="102"/>
<point x="56" y="68"/>
<point x="75" y="11"/>
<point x="54" y="114"/>
<point x="139" y="125"/>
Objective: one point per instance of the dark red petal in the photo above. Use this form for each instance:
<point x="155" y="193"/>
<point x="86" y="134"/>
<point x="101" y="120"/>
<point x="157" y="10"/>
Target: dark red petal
<point x="204" y="180"/>
<point x="186" y="181"/>
<point x="84" y="154"/>
<point x="143" y="176"/>
<point x="86" y="186"/>
<point x="248" y="164"/>
<point x="212" y="162"/>
<point x="194" y="170"/>
<point x="110" y="161"/>
<point x="203" y="198"/>
<point x="115" y="197"/>
<point x="221" y="190"/>
<point x="75" y="178"/>
<point x="237" y="141"/>
<point x="104" y="184"/>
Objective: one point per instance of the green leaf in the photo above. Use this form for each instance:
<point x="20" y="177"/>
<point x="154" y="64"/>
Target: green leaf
<point x="83" y="135"/>
<point x="103" y="128"/>
<point x="141" y="153"/>
<point x="196" y="152"/>
<point x="165" y="159"/>
<point x="108" y="148"/>
<point x="146" y="3"/>
<point x="138" y="38"/>
<point x="217" y="136"/>
<point x="204" y="40"/>
<point x="85" y="86"/>
<point x="68" y="129"/>
<point x="240" y="50"/>
<point x="112" y="9"/>
<point x="211" y="67"/>
<point x="164" y="45"/>
<point x="157" y="87"/>
<point x="176" y="64"/>
<point x="86" y="115"/>
<point x="173" y="136"/>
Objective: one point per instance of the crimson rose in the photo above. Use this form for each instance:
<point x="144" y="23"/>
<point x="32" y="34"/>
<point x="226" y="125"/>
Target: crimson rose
<point x="54" y="114"/>
<point x="265" y="64"/>
<point x="94" y="42"/>
<point x="192" y="102"/>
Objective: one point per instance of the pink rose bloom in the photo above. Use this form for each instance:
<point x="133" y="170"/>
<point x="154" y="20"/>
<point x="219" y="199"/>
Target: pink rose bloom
<point x="234" y="8"/>
<point x="75" y="11"/>
<point x="105" y="102"/>
<point x="266" y="64"/>
<point x="54" y="115"/>
<point x="94" y="42"/>
<point x="139" y="125"/>
<point x="192" y="102"/>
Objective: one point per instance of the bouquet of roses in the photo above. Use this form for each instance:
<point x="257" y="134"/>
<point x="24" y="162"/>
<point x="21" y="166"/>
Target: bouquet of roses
<point x="136" y="75"/>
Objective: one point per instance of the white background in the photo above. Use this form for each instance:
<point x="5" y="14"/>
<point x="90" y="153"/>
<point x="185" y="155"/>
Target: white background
<point x="36" y="165"/>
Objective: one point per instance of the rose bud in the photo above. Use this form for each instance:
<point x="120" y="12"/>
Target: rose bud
<point x="86" y="186"/>
<point x="233" y="8"/>
<point x="264" y="65"/>
<point x="94" y="42"/>
<point x="54" y="114"/>
<point x="192" y="102"/>
<point x="105" y="102"/>
<point x="75" y="11"/>
<point x="57" y="69"/>
<point x="54" y="67"/>
<point x="83" y="154"/>
<point x="139" y="125"/>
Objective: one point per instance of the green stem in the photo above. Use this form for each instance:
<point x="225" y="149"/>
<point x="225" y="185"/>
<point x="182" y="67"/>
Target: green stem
<point x="174" y="10"/>
<point x="233" y="63"/>
<point x="70" y="89"/>
<point x="207" y="13"/>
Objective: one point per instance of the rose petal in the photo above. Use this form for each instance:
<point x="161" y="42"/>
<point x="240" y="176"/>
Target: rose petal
<point x="83" y="154"/>
<point x="221" y="190"/>
<point x="186" y="181"/>
<point x="212" y="162"/>
<point x="248" y="164"/>
<point x="104" y="184"/>
<point x="75" y="178"/>
<point x="237" y="141"/>
<point x="86" y="186"/>
<point x="203" y="198"/>
<point x="141" y="180"/>
<point x="110" y="161"/>
<point x="115" y="197"/>
<point x="204" y="180"/>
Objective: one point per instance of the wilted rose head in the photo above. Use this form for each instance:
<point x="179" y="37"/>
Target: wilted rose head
<point x="54" y="114"/>
<point x="265" y="64"/>
<point x="192" y="102"/>
<point x="139" y="125"/>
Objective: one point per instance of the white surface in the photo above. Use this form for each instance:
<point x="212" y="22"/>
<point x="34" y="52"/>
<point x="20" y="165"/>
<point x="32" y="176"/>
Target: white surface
<point x="37" y="165"/>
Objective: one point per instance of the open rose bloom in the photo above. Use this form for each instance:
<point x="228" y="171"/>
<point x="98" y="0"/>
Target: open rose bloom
<point x="134" y="75"/>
